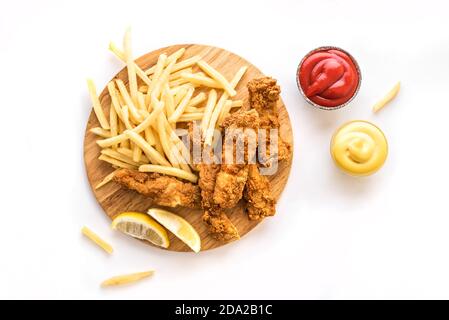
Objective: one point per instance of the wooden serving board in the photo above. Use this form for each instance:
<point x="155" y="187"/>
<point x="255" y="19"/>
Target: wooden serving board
<point x="115" y="200"/>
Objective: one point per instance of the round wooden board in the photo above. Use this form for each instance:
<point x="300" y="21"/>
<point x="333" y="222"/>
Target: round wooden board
<point x="115" y="199"/>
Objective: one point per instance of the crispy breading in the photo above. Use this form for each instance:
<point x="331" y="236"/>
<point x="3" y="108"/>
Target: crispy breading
<point x="229" y="185"/>
<point x="219" y="225"/>
<point x="207" y="177"/>
<point x="242" y="119"/>
<point x="231" y="179"/>
<point x="260" y="201"/>
<point x="163" y="190"/>
<point x="263" y="96"/>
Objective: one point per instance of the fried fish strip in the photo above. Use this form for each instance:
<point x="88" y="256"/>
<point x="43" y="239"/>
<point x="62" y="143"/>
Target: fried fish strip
<point x="219" y="225"/>
<point x="163" y="190"/>
<point x="263" y="96"/>
<point x="260" y="201"/>
<point x="234" y="172"/>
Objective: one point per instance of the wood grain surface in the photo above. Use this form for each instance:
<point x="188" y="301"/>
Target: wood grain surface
<point x="114" y="199"/>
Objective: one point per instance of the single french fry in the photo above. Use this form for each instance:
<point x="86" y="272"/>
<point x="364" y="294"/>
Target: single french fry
<point x="224" y="112"/>
<point x="129" y="154"/>
<point x="149" y="136"/>
<point x="130" y="65"/>
<point x="116" y="162"/>
<point x="113" y="123"/>
<point x="194" y="110"/>
<point x="220" y="104"/>
<point x="97" y="105"/>
<point x="169" y="101"/>
<point x="125" y="113"/>
<point x="126" y="279"/>
<point x="158" y="71"/>
<point x="105" y="180"/>
<point x="115" y="99"/>
<point x="158" y="144"/>
<point x="115" y="50"/>
<point x="182" y="105"/>
<point x="201" y="80"/>
<point x="123" y="143"/>
<point x="176" y="90"/>
<point x="165" y="141"/>
<point x="120" y="157"/>
<point x="178" y="82"/>
<point x="388" y="97"/>
<point x="237" y="104"/>
<point x="141" y="101"/>
<point x="143" y="89"/>
<point x="97" y="240"/>
<point x="177" y="97"/>
<point x="101" y="132"/>
<point x="188" y="117"/>
<point x="196" y="100"/>
<point x="149" y="151"/>
<point x="186" y="63"/>
<point x="217" y="76"/>
<point x="169" y="171"/>
<point x="176" y="75"/>
<point x="210" y="105"/>
<point x="135" y="115"/>
<point x="137" y="152"/>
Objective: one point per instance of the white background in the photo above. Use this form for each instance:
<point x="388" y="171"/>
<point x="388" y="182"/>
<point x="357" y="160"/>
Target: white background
<point x="334" y="236"/>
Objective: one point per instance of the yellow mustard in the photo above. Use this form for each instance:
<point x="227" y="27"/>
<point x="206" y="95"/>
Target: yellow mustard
<point x="359" y="148"/>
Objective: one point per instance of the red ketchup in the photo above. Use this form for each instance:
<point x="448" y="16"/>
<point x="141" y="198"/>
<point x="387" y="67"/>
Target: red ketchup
<point x="329" y="77"/>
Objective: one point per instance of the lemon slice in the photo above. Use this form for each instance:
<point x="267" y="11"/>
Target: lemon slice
<point x="180" y="227"/>
<point x="141" y="226"/>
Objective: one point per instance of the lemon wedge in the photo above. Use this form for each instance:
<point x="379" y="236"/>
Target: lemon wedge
<point x="141" y="226"/>
<point x="180" y="227"/>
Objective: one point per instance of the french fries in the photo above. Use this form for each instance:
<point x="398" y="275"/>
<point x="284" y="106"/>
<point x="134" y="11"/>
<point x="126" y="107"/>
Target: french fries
<point x="169" y="171"/>
<point x="97" y="240"/>
<point x="105" y="180"/>
<point x="182" y="105"/>
<point x="190" y="117"/>
<point x="220" y="105"/>
<point x="127" y="99"/>
<point x="149" y="151"/>
<point x="97" y="105"/>
<point x="180" y="65"/>
<point x="130" y="66"/>
<point x="115" y="162"/>
<point x="200" y="80"/>
<point x="126" y="278"/>
<point x="211" y="102"/>
<point x="121" y="157"/>
<point x="146" y="108"/>
<point x="101" y="132"/>
<point x="214" y="74"/>
<point x="224" y="112"/>
<point x="388" y="97"/>
<point x="119" y="54"/>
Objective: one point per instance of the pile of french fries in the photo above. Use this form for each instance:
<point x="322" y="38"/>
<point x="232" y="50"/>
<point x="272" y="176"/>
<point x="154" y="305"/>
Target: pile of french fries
<point x="139" y="132"/>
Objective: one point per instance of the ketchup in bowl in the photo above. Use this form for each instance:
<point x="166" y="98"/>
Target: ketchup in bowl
<point x="328" y="77"/>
